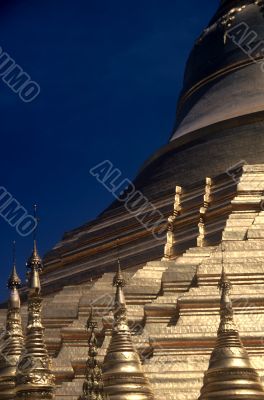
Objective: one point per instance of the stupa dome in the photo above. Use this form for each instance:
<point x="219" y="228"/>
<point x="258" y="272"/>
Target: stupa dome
<point x="225" y="70"/>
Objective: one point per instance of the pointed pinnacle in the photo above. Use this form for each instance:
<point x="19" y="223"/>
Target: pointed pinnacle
<point x="224" y="284"/>
<point x="34" y="265"/>
<point x="119" y="280"/>
<point x="35" y="261"/>
<point x="91" y="323"/>
<point x="14" y="281"/>
<point x="120" y="301"/>
<point x="226" y="307"/>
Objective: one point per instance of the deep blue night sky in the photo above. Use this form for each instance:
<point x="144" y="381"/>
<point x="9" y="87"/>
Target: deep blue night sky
<point x="110" y="73"/>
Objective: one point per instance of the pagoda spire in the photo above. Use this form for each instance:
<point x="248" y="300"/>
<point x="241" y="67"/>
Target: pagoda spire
<point x="122" y="370"/>
<point x="12" y="345"/>
<point x="14" y="283"/>
<point x="93" y="388"/>
<point x="34" y="377"/>
<point x="230" y="374"/>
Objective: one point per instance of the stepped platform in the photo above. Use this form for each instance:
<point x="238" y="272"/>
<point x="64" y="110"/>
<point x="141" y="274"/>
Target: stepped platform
<point x="173" y="304"/>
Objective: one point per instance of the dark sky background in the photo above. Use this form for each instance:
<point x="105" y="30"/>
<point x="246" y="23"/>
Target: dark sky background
<point x="110" y="73"/>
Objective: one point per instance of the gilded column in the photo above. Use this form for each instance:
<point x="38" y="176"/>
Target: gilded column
<point x="122" y="370"/>
<point x="230" y="374"/>
<point x="12" y="345"/>
<point x="34" y="377"/>
<point x="201" y="242"/>
<point x="177" y="208"/>
<point x="93" y="388"/>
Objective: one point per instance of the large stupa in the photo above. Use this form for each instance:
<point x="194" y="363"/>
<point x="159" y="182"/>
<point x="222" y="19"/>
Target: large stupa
<point x="219" y="127"/>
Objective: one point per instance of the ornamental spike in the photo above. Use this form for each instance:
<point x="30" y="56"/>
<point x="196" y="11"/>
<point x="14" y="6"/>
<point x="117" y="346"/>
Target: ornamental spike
<point x="93" y="388"/>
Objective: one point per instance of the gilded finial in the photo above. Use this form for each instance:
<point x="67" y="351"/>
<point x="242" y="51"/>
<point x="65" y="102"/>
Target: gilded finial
<point x="120" y="311"/>
<point x="14" y="280"/>
<point x="91" y="323"/>
<point x="119" y="280"/>
<point x="14" y="283"/>
<point x="34" y="263"/>
<point x="224" y="284"/>
<point x="93" y="388"/>
<point x="119" y="283"/>
<point x="226" y="308"/>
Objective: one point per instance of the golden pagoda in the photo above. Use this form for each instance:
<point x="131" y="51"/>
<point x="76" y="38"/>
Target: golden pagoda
<point x="34" y="377"/>
<point x="12" y="340"/>
<point x="230" y="375"/>
<point x="122" y="370"/>
<point x="93" y="388"/>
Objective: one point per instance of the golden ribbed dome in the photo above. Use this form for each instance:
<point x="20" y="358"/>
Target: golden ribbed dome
<point x="230" y="375"/>
<point x="122" y="371"/>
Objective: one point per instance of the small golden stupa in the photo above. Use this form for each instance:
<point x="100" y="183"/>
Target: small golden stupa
<point x="12" y="345"/>
<point x="35" y="380"/>
<point x="123" y="375"/>
<point x="230" y="375"/>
